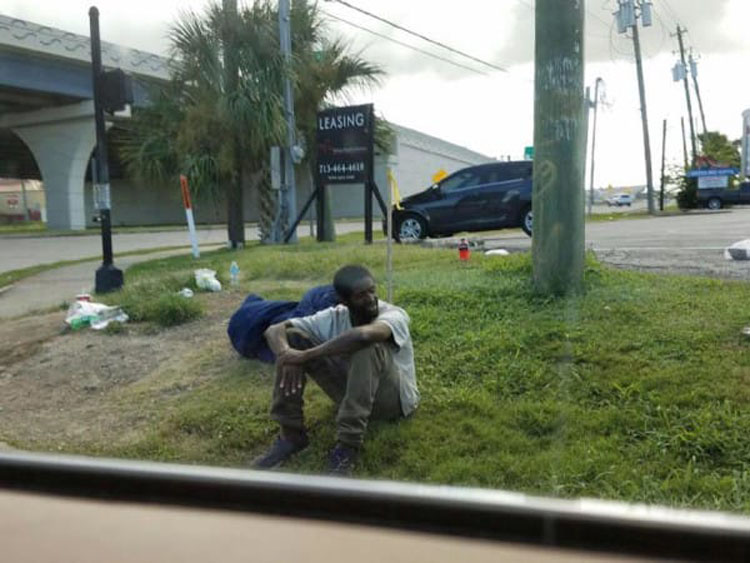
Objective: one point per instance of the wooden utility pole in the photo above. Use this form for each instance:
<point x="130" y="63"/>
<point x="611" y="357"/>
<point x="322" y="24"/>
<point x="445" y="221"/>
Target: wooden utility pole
<point x="684" y="142"/>
<point x="560" y="150"/>
<point x="694" y="74"/>
<point x="687" y="94"/>
<point x="644" y="119"/>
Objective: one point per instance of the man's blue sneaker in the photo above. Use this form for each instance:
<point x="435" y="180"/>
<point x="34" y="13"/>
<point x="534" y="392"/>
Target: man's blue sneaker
<point x="342" y="460"/>
<point x="281" y="450"/>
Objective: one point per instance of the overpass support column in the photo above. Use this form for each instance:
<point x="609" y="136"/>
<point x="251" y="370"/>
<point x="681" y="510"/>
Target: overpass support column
<point x="61" y="140"/>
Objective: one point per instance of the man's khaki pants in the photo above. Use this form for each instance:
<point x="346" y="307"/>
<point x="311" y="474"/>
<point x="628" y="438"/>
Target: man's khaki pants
<point x="364" y="385"/>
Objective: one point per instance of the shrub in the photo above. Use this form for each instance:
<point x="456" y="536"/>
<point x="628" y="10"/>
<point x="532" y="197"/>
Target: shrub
<point x="687" y="195"/>
<point x="157" y="301"/>
<point x="171" y="310"/>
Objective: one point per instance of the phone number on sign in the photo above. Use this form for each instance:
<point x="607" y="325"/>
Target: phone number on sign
<point x="341" y="168"/>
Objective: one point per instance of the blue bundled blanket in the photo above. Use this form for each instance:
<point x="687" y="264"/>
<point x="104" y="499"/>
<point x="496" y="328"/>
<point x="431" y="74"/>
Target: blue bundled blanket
<point x="255" y="315"/>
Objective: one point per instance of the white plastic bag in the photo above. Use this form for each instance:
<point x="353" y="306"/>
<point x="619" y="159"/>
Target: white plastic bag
<point x="206" y="279"/>
<point x="497" y="252"/>
<point x="738" y="251"/>
<point x="96" y="315"/>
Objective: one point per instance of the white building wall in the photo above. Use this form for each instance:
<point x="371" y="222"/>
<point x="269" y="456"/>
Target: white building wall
<point x="745" y="144"/>
<point x="418" y="157"/>
<point x="421" y="156"/>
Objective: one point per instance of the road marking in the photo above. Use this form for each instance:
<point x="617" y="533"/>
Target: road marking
<point x="672" y="248"/>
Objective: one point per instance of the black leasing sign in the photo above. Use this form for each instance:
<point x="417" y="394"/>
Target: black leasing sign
<point x="345" y="138"/>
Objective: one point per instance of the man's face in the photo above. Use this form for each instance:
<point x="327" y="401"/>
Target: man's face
<point x="363" y="302"/>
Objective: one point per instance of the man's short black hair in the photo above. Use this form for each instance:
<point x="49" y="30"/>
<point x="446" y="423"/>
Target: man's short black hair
<point x="348" y="277"/>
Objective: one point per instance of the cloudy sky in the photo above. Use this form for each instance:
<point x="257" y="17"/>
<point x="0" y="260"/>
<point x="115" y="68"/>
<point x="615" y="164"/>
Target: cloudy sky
<point x="492" y="111"/>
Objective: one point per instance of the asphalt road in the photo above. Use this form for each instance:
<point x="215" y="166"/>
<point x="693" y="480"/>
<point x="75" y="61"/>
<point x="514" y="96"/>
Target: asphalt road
<point x="698" y="229"/>
<point x="691" y="243"/>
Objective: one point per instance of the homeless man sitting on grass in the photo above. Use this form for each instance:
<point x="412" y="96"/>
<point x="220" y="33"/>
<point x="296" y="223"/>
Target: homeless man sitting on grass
<point x="359" y="353"/>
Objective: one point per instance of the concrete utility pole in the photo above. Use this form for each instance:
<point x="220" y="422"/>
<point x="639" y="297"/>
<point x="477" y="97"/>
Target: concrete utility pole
<point x="644" y="119"/>
<point x="108" y="277"/>
<point x="694" y="74"/>
<point x="288" y="184"/>
<point x="560" y="149"/>
<point x="687" y="93"/>
<point x="593" y="144"/>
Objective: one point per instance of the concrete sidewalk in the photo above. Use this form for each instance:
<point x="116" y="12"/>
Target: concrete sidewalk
<point x="54" y="287"/>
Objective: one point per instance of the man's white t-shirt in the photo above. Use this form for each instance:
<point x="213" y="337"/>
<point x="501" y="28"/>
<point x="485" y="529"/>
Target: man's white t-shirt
<point x="334" y="321"/>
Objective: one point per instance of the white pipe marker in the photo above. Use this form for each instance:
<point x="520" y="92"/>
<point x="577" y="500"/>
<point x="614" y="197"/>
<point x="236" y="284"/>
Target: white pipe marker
<point x="189" y="215"/>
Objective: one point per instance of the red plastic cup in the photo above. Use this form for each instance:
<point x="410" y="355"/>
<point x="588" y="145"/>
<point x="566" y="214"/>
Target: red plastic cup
<point x="463" y="250"/>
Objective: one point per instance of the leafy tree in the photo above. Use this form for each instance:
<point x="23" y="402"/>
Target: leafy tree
<point x="716" y="148"/>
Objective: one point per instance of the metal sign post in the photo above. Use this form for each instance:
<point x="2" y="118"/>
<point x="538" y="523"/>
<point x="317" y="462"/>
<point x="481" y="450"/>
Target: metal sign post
<point x="389" y="238"/>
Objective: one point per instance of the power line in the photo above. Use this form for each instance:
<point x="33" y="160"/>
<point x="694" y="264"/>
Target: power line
<point x="672" y="13"/>
<point x="679" y="22"/>
<point x="397" y="42"/>
<point x="419" y="35"/>
<point x="598" y="18"/>
<point x="592" y="14"/>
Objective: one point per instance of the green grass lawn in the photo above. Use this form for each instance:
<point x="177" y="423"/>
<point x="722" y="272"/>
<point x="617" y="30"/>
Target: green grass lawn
<point x="23" y="228"/>
<point x="638" y="390"/>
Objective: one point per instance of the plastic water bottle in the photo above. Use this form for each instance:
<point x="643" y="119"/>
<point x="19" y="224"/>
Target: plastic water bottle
<point x="234" y="273"/>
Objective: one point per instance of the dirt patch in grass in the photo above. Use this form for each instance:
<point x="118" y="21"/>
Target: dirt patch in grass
<point x="61" y="390"/>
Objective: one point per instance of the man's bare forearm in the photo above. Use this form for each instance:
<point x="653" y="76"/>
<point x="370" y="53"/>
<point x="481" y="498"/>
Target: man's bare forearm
<point x="347" y="343"/>
<point x="351" y="341"/>
<point x="276" y="338"/>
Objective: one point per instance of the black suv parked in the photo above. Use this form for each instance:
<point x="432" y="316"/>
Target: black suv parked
<point x="477" y="198"/>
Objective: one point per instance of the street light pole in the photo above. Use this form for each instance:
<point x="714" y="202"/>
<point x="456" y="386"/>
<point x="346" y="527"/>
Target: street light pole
<point x="289" y="187"/>
<point x="108" y="278"/>
<point x="593" y="144"/>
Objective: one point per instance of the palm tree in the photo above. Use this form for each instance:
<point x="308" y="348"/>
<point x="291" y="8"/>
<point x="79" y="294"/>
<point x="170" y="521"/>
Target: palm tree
<point x="222" y="110"/>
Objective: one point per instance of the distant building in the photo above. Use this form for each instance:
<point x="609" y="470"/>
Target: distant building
<point x="745" y="171"/>
<point x="20" y="199"/>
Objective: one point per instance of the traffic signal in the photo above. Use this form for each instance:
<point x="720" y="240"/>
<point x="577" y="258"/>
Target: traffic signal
<point x="116" y="89"/>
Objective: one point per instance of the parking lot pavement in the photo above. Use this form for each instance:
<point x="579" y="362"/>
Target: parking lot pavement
<point x="690" y="243"/>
